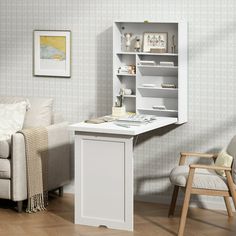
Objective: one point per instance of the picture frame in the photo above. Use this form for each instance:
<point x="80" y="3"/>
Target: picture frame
<point x="52" y="53"/>
<point x="155" y="42"/>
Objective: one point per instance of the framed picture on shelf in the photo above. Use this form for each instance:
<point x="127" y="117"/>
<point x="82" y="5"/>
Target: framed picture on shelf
<point x="155" y="42"/>
<point x="52" y="53"/>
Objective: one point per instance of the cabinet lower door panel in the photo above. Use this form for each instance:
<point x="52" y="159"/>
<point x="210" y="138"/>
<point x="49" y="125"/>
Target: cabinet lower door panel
<point x="104" y="180"/>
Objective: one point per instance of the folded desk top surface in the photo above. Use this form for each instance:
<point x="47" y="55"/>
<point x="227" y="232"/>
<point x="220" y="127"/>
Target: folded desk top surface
<point x="113" y="128"/>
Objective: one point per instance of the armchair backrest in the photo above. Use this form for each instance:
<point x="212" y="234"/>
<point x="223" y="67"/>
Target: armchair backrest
<point x="231" y="150"/>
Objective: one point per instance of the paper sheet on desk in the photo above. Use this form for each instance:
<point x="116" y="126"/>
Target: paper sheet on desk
<point x="100" y="120"/>
<point x="136" y="120"/>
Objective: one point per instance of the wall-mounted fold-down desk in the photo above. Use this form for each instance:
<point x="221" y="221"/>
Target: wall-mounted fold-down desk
<point x="104" y="172"/>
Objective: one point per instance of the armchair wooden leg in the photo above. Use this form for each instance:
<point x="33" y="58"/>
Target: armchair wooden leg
<point x="186" y="202"/>
<point x="231" y="186"/>
<point x="19" y="206"/>
<point x="61" y="192"/>
<point x="228" y="206"/>
<point x="173" y="201"/>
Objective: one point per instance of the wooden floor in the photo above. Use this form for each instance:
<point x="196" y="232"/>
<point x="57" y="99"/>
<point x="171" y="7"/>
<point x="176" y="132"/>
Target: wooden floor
<point x="150" y="220"/>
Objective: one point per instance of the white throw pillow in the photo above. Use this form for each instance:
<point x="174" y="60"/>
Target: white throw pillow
<point x="40" y="112"/>
<point x="225" y="160"/>
<point x="11" y="118"/>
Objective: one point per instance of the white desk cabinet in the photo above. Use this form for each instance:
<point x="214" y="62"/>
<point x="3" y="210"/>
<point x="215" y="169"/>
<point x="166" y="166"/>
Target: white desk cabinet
<point x="104" y="152"/>
<point x="104" y="172"/>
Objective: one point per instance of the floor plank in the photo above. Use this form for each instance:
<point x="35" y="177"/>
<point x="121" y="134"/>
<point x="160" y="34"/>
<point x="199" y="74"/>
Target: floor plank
<point x="150" y="220"/>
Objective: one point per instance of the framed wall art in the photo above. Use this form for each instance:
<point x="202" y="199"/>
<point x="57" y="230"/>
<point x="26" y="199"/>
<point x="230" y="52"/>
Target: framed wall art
<point x="52" y="53"/>
<point x="155" y="42"/>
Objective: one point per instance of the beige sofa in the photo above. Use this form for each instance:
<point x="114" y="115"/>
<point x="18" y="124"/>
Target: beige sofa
<point x="13" y="183"/>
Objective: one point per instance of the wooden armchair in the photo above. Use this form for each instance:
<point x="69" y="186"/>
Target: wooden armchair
<point x="202" y="180"/>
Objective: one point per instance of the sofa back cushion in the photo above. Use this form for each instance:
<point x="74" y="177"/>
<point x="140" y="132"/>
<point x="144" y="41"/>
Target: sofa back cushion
<point x="39" y="111"/>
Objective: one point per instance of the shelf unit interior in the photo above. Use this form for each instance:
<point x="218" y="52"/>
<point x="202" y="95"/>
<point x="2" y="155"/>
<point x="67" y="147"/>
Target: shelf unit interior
<point x="159" y="82"/>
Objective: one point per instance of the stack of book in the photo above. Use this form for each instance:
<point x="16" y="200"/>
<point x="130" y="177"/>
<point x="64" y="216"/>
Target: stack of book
<point x="166" y="85"/>
<point x="166" y="63"/>
<point x="147" y="63"/>
<point x="159" y="107"/>
<point x="123" y="70"/>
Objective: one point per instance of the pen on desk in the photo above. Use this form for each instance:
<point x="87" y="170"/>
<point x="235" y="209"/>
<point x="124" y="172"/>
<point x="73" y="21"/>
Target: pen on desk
<point x="122" y="125"/>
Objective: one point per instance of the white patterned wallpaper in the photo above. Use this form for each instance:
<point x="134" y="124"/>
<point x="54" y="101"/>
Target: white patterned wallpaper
<point x="212" y="71"/>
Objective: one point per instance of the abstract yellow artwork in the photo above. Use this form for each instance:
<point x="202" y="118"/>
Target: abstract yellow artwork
<point x="53" y="47"/>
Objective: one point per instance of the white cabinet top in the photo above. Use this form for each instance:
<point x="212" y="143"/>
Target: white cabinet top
<point x="111" y="128"/>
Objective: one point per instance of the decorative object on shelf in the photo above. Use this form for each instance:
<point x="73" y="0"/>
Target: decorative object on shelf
<point x="147" y="63"/>
<point x="155" y="42"/>
<point x="137" y="45"/>
<point x="120" y="98"/>
<point x="52" y="53"/>
<point x="118" y="111"/>
<point x="128" y="41"/>
<point x="166" y="85"/>
<point x="133" y="69"/>
<point x="166" y="63"/>
<point x="127" y="69"/>
<point x="173" y="45"/>
<point x="119" y="108"/>
<point x="159" y="107"/>
<point x="149" y="85"/>
<point x="123" y="69"/>
<point x="127" y="91"/>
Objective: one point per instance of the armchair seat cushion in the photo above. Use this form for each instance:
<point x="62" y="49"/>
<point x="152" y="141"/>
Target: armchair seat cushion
<point x="204" y="179"/>
<point x="5" y="169"/>
<point x="4" y="148"/>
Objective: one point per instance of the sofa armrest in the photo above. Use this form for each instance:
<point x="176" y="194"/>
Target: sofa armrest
<point x="59" y="155"/>
<point x="58" y="160"/>
<point x="18" y="159"/>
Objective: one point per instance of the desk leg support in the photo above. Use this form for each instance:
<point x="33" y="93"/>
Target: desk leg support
<point x="104" y="180"/>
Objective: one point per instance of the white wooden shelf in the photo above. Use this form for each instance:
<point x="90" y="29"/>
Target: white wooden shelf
<point x="123" y="74"/>
<point x="166" y="112"/>
<point x="145" y="97"/>
<point x="158" y="70"/>
<point x="130" y="96"/>
<point x="126" y="53"/>
<point x="158" y="92"/>
<point x="147" y="54"/>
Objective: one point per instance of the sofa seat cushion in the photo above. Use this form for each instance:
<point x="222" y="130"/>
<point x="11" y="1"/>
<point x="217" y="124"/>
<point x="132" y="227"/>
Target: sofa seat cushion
<point x="4" y="148"/>
<point x="205" y="179"/>
<point x="5" y="169"/>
